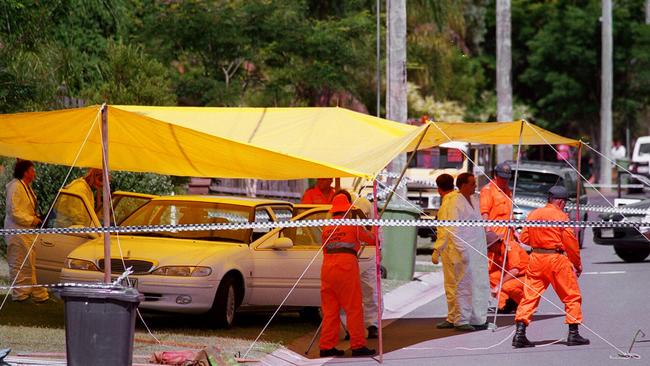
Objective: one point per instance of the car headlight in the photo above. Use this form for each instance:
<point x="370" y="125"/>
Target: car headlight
<point x="183" y="271"/>
<point x="80" y="264"/>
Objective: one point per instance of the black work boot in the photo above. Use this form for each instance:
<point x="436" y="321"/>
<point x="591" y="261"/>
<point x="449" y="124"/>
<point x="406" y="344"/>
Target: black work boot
<point x="363" y="351"/>
<point x="520" y="340"/>
<point x="574" y="338"/>
<point x="332" y="352"/>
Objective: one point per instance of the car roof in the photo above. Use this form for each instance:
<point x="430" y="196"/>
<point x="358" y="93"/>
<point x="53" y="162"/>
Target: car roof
<point x="232" y="200"/>
<point x="641" y="204"/>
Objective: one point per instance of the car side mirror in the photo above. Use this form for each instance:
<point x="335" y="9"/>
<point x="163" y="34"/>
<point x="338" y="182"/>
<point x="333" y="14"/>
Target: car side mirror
<point x="282" y="243"/>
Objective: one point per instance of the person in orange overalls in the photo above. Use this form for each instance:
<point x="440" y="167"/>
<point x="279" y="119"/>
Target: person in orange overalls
<point x="496" y="199"/>
<point x="555" y="260"/>
<point x="512" y="288"/>
<point x="341" y="283"/>
<point x="321" y="193"/>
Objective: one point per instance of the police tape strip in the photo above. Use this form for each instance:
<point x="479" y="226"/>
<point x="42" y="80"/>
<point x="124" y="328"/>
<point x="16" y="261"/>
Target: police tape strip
<point x="328" y="222"/>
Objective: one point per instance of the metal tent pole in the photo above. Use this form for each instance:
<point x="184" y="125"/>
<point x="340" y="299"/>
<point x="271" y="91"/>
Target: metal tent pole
<point x="507" y="238"/>
<point x="106" y="194"/>
<point x="380" y="298"/>
<point x="408" y="161"/>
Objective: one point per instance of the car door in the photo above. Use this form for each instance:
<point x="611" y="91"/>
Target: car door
<point x="275" y="272"/>
<point x="69" y="210"/>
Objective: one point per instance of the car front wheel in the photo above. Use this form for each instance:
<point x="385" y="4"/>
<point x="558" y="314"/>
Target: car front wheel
<point x="225" y="303"/>
<point x="632" y="255"/>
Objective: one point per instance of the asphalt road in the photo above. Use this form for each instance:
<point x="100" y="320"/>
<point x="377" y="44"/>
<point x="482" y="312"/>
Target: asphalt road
<point x="616" y="304"/>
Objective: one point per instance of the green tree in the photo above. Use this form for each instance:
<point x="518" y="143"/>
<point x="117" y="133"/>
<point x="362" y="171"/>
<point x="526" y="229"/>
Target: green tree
<point x="129" y="76"/>
<point x="444" y="39"/>
<point x="556" y="63"/>
<point x="257" y="51"/>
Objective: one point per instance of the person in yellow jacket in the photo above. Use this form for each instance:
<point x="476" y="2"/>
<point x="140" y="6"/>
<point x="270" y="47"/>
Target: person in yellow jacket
<point x="444" y="248"/>
<point x="70" y="210"/>
<point x="21" y="206"/>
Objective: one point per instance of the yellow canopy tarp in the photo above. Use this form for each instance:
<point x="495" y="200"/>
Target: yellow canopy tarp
<point x="340" y="136"/>
<point x="263" y="143"/>
<point x="141" y="144"/>
<point x="496" y="133"/>
<point x="335" y="136"/>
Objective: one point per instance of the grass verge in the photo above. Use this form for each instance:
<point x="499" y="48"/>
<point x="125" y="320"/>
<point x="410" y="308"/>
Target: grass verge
<point x="35" y="328"/>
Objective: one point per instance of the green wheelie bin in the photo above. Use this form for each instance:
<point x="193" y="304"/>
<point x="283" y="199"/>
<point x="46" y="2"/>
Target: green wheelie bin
<point x="399" y="245"/>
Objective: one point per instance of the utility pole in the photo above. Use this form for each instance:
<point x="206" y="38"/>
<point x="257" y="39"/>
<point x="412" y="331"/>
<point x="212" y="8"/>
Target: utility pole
<point x="396" y="103"/>
<point x="378" y="56"/>
<point x="504" y="70"/>
<point x="606" y="94"/>
<point x="647" y="11"/>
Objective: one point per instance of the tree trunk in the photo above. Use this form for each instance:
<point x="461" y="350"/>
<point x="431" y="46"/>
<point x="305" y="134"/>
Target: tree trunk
<point x="396" y="103"/>
<point x="606" y="94"/>
<point x="504" y="66"/>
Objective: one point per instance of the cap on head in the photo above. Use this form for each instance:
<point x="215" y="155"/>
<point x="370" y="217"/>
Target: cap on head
<point x="340" y="203"/>
<point x="503" y="170"/>
<point x="491" y="237"/>
<point x="558" y="192"/>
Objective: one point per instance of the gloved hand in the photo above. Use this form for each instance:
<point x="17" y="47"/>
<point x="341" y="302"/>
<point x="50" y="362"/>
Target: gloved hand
<point x="435" y="257"/>
<point x="578" y="271"/>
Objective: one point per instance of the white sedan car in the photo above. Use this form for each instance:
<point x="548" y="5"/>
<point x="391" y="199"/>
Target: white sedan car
<point x="213" y="271"/>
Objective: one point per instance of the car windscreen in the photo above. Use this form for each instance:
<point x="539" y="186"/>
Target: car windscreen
<point x="644" y="149"/>
<point x="191" y="212"/>
<point x="532" y="183"/>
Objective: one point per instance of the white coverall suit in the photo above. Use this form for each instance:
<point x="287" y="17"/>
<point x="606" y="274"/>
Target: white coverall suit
<point x="465" y="270"/>
<point x="70" y="211"/>
<point x="21" y="214"/>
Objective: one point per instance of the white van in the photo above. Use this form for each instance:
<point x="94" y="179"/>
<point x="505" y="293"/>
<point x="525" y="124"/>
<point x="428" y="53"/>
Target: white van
<point x="640" y="163"/>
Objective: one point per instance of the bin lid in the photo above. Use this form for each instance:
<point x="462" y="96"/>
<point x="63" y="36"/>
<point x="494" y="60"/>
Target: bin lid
<point x="401" y="208"/>
<point x="101" y="291"/>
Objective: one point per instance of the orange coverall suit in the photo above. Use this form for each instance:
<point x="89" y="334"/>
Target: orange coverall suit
<point x="511" y="288"/>
<point x="497" y="205"/>
<point x="316" y="196"/>
<point x="555" y="268"/>
<point x="341" y="284"/>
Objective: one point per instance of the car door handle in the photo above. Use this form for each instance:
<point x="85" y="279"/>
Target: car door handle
<point x="47" y="243"/>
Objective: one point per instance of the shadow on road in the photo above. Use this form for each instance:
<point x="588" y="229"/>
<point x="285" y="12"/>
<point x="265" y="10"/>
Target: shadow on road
<point x="403" y="333"/>
<point x="620" y="262"/>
